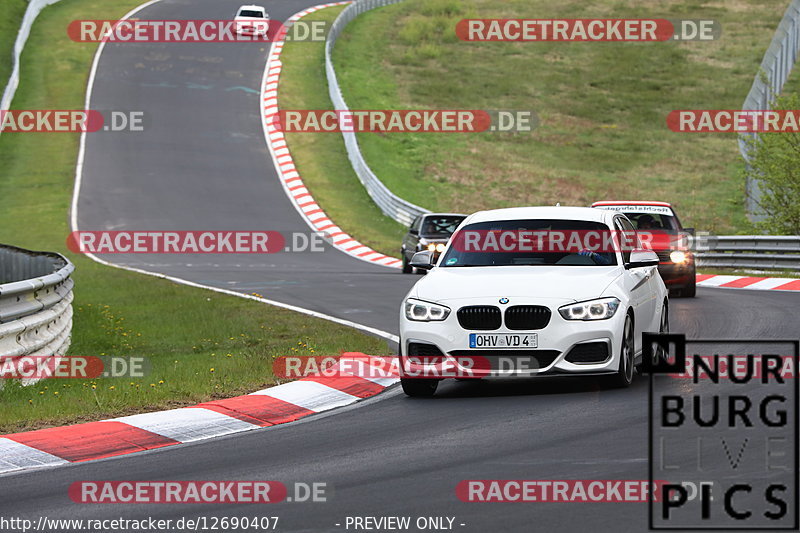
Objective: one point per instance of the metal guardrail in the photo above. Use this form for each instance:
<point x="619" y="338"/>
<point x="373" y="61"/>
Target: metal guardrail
<point x="392" y="205"/>
<point x="750" y="252"/>
<point x="775" y="69"/>
<point x="35" y="304"/>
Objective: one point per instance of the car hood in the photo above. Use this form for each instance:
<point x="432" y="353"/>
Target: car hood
<point x="563" y="283"/>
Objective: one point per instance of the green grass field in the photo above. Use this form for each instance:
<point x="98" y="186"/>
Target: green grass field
<point x="200" y="344"/>
<point x="602" y="107"/>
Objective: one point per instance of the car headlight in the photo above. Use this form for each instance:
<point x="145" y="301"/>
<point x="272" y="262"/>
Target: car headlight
<point x="436" y="247"/>
<point x="420" y="311"/>
<point x="678" y="256"/>
<point x="591" y="310"/>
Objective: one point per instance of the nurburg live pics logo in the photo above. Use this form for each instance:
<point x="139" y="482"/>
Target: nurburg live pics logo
<point x="726" y="439"/>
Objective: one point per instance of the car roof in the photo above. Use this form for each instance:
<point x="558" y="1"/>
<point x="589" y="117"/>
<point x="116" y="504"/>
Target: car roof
<point x="632" y="202"/>
<point x="252" y="6"/>
<point x="445" y="215"/>
<point x="549" y="212"/>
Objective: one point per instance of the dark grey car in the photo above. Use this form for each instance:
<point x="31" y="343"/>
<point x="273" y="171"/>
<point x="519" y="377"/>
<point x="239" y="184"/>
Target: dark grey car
<point x="428" y="232"/>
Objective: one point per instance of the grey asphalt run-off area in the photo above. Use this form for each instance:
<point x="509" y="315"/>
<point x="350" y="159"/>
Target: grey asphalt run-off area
<point x="202" y="164"/>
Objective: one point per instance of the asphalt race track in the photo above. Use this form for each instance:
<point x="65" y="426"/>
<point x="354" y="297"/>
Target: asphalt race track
<point x="203" y="164"/>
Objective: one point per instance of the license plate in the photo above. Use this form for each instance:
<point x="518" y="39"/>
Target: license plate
<point x="503" y="340"/>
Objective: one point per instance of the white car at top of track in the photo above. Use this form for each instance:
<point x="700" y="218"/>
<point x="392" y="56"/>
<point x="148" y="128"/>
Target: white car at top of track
<point x="558" y="313"/>
<point x="252" y="20"/>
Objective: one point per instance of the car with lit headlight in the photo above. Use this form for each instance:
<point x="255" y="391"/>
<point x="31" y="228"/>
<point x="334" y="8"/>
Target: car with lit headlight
<point x="431" y="232"/>
<point x="251" y="20"/>
<point x="489" y="310"/>
<point x="661" y="228"/>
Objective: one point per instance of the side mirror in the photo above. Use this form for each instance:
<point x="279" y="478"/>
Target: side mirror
<point x="413" y="231"/>
<point x="690" y="231"/>
<point x="423" y="260"/>
<point x="642" y="258"/>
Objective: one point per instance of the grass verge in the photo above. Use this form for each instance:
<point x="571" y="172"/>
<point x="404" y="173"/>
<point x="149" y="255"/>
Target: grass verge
<point x="200" y="345"/>
<point x="11" y="13"/>
<point x="321" y="158"/>
<point x="602" y="106"/>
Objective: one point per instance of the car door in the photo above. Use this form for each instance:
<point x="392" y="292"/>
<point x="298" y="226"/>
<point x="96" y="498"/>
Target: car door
<point x="411" y="239"/>
<point x="640" y="286"/>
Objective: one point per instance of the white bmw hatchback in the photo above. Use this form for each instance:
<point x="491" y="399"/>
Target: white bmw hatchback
<point x="252" y="20"/>
<point x="532" y="291"/>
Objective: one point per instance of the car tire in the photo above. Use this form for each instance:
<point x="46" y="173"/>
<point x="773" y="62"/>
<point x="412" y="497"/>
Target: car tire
<point x="690" y="290"/>
<point x="624" y="375"/>
<point x="407" y="269"/>
<point x="419" y="388"/>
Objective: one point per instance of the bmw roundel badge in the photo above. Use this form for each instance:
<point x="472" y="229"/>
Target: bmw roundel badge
<point x="503" y="300"/>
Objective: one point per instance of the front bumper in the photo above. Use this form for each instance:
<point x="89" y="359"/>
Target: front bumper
<point x="556" y="343"/>
<point x="677" y="275"/>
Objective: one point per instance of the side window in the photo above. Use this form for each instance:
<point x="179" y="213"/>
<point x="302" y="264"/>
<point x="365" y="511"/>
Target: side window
<point x="624" y="225"/>
<point x="414" y="228"/>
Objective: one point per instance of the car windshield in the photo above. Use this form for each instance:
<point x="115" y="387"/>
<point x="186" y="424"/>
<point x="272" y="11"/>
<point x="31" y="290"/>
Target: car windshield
<point x="653" y="221"/>
<point x="251" y="13"/>
<point x="461" y="253"/>
<point x="440" y="225"/>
